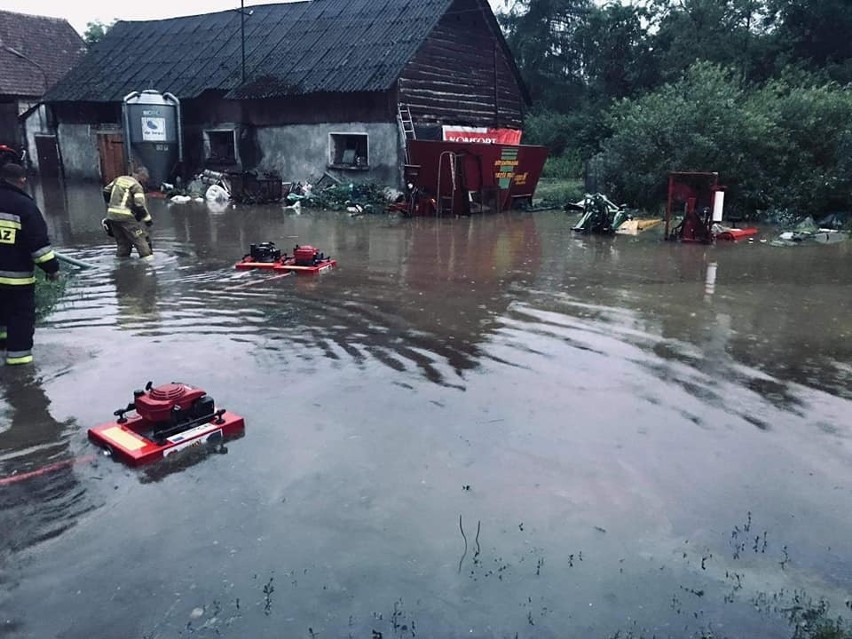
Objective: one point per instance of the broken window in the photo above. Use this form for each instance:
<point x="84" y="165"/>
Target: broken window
<point x="220" y="146"/>
<point x="348" y="150"/>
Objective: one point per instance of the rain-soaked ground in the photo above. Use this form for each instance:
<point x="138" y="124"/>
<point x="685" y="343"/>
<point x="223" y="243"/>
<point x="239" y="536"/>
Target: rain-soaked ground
<point x="478" y="427"/>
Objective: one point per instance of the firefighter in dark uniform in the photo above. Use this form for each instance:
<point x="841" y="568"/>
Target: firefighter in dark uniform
<point x="24" y="244"/>
<point x="126" y="214"/>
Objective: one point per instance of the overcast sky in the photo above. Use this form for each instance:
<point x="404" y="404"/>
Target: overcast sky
<point x="81" y="12"/>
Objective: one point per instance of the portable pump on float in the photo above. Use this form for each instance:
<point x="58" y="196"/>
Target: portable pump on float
<point x="266" y="256"/>
<point x="168" y="418"/>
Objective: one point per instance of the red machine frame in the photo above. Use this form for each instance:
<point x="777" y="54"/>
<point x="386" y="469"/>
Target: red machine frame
<point x="695" y="192"/>
<point x="702" y="198"/>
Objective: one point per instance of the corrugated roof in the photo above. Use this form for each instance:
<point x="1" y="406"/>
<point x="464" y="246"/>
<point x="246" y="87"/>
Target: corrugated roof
<point x="291" y="48"/>
<point x="35" y="51"/>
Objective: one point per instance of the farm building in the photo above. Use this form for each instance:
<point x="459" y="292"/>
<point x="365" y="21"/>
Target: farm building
<point x="35" y="52"/>
<point x="299" y="89"/>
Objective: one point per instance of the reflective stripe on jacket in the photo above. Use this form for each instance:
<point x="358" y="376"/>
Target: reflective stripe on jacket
<point x="126" y="200"/>
<point x="23" y="238"/>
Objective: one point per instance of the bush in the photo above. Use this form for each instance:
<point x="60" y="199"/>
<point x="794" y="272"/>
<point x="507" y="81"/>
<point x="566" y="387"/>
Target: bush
<point x="556" y="193"/>
<point x="787" y="145"/>
<point x="568" y="166"/>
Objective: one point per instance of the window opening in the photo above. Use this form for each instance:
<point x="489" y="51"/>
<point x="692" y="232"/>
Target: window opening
<point x="349" y="150"/>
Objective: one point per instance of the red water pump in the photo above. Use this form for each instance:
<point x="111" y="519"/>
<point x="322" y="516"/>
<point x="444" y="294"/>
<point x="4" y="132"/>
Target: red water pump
<point x="167" y="418"/>
<point x="170" y="405"/>
<point x="306" y="255"/>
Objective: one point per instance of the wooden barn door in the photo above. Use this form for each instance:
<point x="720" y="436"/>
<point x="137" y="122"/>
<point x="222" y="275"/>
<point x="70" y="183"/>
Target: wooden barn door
<point x="111" y="152"/>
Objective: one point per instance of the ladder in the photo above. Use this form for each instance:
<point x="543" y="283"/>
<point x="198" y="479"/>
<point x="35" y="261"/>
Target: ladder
<point x="404" y="115"/>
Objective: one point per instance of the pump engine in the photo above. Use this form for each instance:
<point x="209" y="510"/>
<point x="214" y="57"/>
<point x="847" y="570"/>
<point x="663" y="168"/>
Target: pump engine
<point x="264" y="252"/>
<point x="170" y="407"/>
<point x="307" y="255"/>
<point x="167" y="419"/>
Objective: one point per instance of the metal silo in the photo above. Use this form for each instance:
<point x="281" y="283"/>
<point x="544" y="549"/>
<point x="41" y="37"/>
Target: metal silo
<point x="152" y="134"/>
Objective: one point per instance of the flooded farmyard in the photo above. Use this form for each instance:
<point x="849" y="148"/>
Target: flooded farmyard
<point x="472" y="427"/>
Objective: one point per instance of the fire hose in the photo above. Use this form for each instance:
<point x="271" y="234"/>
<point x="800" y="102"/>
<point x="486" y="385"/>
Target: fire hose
<point x="73" y="260"/>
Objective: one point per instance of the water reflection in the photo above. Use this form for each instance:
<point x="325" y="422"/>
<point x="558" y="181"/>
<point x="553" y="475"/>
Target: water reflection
<point x="422" y="294"/>
<point x="136" y="294"/>
<point x="418" y="296"/>
<point x="782" y="314"/>
<point x="40" y="496"/>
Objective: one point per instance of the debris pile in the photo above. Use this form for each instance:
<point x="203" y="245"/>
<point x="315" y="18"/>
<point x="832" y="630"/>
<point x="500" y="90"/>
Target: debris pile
<point x="829" y="230"/>
<point x="218" y="188"/>
<point x="600" y="214"/>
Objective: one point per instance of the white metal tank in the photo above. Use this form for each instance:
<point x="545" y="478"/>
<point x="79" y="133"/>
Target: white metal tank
<point x="152" y="134"/>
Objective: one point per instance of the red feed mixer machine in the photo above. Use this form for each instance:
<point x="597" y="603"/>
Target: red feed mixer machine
<point x="168" y="418"/>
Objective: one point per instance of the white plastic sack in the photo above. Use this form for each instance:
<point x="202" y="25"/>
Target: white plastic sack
<point x="216" y="193"/>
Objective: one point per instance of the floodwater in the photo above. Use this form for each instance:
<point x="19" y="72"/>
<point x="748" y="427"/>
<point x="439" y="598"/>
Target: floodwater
<point x="477" y="427"/>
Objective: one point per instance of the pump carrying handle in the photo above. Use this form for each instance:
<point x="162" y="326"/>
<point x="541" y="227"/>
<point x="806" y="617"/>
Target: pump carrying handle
<point x="120" y="413"/>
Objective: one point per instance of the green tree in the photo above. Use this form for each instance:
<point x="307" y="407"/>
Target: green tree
<point x="618" y="60"/>
<point x="575" y="57"/>
<point x="787" y="145"/>
<point x="811" y="159"/>
<point x="699" y="123"/>
<point x="815" y="33"/>
<point x="731" y="33"/>
<point x="543" y="37"/>
<point x="95" y="31"/>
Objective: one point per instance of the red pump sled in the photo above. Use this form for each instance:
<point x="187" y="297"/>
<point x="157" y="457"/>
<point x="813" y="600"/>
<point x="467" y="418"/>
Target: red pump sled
<point x="305" y="259"/>
<point x="169" y="418"/>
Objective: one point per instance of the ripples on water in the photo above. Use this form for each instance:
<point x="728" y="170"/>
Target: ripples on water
<point x="436" y="299"/>
<point x="627" y="323"/>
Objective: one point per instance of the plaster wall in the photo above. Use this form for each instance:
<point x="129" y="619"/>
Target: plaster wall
<point x="302" y="152"/>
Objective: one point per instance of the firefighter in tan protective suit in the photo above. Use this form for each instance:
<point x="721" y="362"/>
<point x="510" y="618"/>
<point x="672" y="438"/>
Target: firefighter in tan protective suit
<point x="127" y="213"/>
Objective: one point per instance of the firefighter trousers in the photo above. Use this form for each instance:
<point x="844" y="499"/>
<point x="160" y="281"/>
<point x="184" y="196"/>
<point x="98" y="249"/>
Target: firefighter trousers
<point x="17" y="322"/>
<point x="129" y="234"/>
